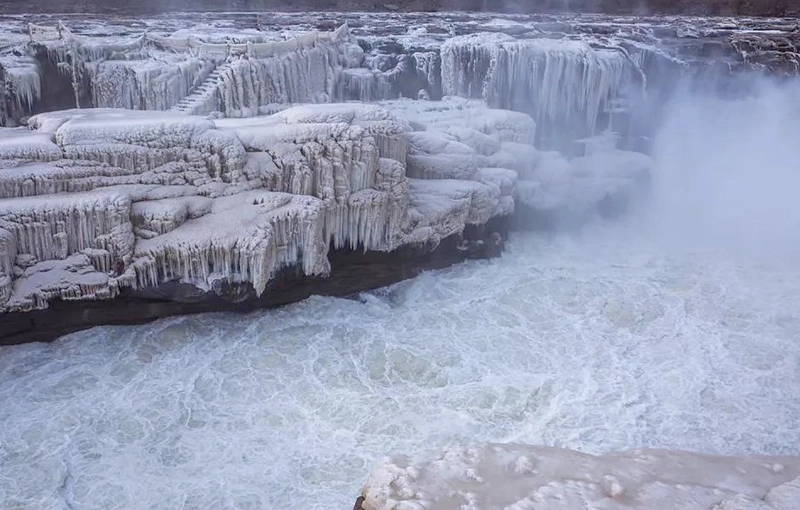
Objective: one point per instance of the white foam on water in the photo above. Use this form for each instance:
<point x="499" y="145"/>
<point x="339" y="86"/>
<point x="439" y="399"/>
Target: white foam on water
<point x="598" y="342"/>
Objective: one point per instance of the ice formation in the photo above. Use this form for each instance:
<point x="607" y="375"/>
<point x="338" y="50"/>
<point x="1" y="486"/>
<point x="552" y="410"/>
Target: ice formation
<point x="155" y="72"/>
<point x="563" y="83"/>
<point x="192" y="133"/>
<point x="523" y="477"/>
<point x="95" y="201"/>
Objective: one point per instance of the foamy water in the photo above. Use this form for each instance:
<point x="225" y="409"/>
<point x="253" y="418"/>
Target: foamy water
<point x="599" y="342"/>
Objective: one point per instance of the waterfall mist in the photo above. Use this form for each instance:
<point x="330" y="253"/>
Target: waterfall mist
<point x="728" y="171"/>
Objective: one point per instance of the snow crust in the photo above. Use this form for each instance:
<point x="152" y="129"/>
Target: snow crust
<point x="523" y="477"/>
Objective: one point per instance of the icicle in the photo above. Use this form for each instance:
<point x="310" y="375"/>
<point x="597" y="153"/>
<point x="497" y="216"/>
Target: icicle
<point x="8" y="254"/>
<point x="559" y="81"/>
<point x="56" y="226"/>
<point x="244" y="238"/>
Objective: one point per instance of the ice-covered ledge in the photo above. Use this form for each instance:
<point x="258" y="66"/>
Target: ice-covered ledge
<point x="112" y="204"/>
<point x="523" y="477"/>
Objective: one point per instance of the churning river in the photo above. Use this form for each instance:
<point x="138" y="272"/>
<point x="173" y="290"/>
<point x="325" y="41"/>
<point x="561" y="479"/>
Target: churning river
<point x="679" y="328"/>
<point x="597" y="341"/>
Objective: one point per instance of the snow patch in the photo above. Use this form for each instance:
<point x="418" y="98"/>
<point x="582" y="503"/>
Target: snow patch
<point x="523" y="477"/>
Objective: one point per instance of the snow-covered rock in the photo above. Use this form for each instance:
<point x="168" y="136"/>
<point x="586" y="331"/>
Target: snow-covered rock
<point x="21" y="143"/>
<point x="578" y="186"/>
<point x="95" y="201"/>
<point x="522" y="477"/>
<point x="561" y="82"/>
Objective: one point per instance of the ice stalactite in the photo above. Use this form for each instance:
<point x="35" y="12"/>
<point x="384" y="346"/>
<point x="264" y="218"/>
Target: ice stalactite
<point x="244" y="238"/>
<point x="56" y="226"/>
<point x="8" y="256"/>
<point x="328" y="161"/>
<point x="331" y="152"/>
<point x="73" y="54"/>
<point x="8" y="251"/>
<point x="361" y="222"/>
<point x="23" y="81"/>
<point x="383" y="77"/>
<point x="304" y="70"/>
<point x="429" y="67"/>
<point x="560" y="82"/>
<point x="360" y="84"/>
<point x="144" y="85"/>
<point x="391" y="179"/>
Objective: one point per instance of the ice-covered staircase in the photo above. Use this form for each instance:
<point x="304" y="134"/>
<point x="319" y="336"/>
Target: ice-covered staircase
<point x="202" y="97"/>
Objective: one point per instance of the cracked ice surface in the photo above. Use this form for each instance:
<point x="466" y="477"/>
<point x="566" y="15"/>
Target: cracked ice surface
<point x="94" y="201"/>
<point x="522" y="477"/>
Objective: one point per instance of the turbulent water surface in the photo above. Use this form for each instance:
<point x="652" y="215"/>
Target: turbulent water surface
<point x="597" y="342"/>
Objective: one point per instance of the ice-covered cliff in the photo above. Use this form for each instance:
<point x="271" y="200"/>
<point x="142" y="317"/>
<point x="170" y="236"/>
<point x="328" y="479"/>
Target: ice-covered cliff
<point x="575" y="75"/>
<point x="217" y="157"/>
<point x="95" y="201"/>
<point x="522" y="477"/>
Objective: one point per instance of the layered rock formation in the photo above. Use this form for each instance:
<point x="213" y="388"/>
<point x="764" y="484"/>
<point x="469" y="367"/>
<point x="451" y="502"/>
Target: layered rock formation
<point x="539" y="478"/>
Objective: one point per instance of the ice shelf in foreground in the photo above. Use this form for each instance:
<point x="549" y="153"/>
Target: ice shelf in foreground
<point x="522" y="477"/>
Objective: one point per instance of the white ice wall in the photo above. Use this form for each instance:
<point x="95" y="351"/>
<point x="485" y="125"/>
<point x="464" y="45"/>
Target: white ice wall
<point x="562" y="83"/>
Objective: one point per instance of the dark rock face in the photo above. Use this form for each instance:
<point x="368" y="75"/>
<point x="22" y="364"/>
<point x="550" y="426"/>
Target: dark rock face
<point x="690" y="7"/>
<point x="351" y="272"/>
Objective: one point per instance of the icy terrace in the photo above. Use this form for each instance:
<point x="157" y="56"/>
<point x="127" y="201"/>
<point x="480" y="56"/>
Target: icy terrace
<point x="94" y="201"/>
